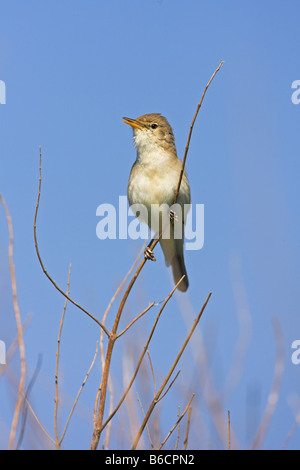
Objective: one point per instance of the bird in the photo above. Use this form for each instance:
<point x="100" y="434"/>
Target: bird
<point x="153" y="183"/>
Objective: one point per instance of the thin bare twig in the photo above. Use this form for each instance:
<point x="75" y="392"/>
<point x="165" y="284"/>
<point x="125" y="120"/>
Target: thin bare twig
<point x="110" y="387"/>
<point x="185" y="442"/>
<point x="38" y="421"/>
<point x="294" y="403"/>
<point x="205" y="380"/>
<point x="147" y="427"/>
<point x="160" y="391"/>
<point x="177" y="422"/>
<point x="25" y="407"/>
<point x="141" y="358"/>
<point x="41" y="262"/>
<point x="191" y="130"/>
<point x="56" y="400"/>
<point x="19" y="328"/>
<point x="170" y="385"/>
<point x="78" y="394"/>
<point x="12" y="348"/>
<point x="105" y="376"/>
<point x="274" y="392"/>
<point x="98" y="427"/>
<point x="111" y="407"/>
<point x="178" y="431"/>
<point x="152" y="371"/>
<point x="135" y="319"/>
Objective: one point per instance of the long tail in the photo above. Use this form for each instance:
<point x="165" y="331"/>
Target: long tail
<point x="173" y="252"/>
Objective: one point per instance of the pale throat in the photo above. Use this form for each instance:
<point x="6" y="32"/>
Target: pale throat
<point x="151" y="151"/>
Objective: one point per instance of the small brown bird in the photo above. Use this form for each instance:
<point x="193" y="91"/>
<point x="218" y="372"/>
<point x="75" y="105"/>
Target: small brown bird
<point x="153" y="183"/>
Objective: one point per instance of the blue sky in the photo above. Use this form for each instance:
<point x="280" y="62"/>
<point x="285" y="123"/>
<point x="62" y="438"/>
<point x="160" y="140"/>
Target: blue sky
<point x="72" y="69"/>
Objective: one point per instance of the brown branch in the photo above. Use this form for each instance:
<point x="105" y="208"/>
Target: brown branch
<point x="105" y="375"/>
<point x="111" y="341"/>
<point x="165" y="393"/>
<point x="185" y="442"/>
<point x="99" y="431"/>
<point x="101" y="340"/>
<point x="122" y="284"/>
<point x="78" y="394"/>
<point x="25" y="400"/>
<point x="178" y="431"/>
<point x="147" y="427"/>
<point x="160" y="391"/>
<point x="101" y="344"/>
<point x="12" y="378"/>
<point x="56" y="400"/>
<point x="40" y="259"/>
<point x="205" y="380"/>
<point x="19" y="328"/>
<point x="178" y="422"/>
<point x="191" y="130"/>
<point x="152" y="372"/>
<point x="275" y="388"/>
<point x="135" y="319"/>
<point x="38" y="421"/>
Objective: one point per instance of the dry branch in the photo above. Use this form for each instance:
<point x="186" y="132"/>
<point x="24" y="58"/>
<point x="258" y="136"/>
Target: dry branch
<point x="185" y="443"/>
<point x="56" y="400"/>
<point x="98" y="426"/>
<point x="188" y="407"/>
<point x="160" y="391"/>
<point x="19" y="328"/>
<point x="191" y="129"/>
<point x="275" y="388"/>
<point x="40" y="259"/>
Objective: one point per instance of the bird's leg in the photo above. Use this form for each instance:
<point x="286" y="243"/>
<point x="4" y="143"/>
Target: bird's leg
<point x="149" y="253"/>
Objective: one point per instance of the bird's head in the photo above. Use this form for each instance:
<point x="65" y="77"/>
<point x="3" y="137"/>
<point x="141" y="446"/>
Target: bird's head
<point x="151" y="131"/>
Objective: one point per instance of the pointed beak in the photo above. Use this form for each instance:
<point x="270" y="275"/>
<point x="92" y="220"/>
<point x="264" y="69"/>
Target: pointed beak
<point x="134" y="123"/>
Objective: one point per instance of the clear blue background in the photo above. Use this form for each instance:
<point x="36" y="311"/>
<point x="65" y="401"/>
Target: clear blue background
<point x="72" y="69"/>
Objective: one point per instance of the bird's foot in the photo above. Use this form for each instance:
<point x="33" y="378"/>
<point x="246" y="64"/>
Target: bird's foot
<point x="149" y="254"/>
<point x="173" y="216"/>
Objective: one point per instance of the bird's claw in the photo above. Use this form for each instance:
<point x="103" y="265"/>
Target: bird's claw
<point x="149" y="254"/>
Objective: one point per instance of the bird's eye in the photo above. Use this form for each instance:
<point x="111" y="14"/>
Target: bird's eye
<point x="154" y="125"/>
